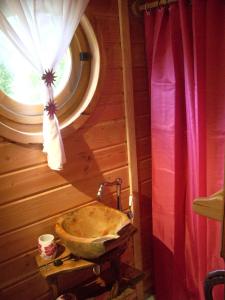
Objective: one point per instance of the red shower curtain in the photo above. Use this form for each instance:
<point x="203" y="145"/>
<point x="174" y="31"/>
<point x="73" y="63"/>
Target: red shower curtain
<point x="185" y="47"/>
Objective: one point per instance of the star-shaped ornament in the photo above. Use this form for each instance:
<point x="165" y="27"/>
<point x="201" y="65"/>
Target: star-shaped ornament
<point x="51" y="108"/>
<point x="49" y="77"/>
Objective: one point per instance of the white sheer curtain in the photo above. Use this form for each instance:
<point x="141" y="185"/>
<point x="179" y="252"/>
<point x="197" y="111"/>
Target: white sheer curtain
<point x="42" y="31"/>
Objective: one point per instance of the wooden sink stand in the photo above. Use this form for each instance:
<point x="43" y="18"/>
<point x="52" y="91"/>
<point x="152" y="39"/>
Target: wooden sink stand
<point x="103" y="274"/>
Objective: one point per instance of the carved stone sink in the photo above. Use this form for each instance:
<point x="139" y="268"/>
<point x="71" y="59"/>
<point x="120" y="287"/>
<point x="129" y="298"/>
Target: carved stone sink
<point x="86" y="230"/>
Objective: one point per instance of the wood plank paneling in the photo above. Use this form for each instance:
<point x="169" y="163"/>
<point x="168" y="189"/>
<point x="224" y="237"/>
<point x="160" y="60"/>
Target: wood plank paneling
<point x="110" y="99"/>
<point x="29" y="289"/>
<point x="113" y="82"/>
<point x="34" y="209"/>
<point x="33" y="196"/>
<point x="105" y="8"/>
<point x="141" y="79"/>
<point x="142" y="103"/>
<point x="144" y="169"/>
<point x="113" y="57"/>
<point x="138" y="54"/>
<point x="12" y="156"/>
<point x="146" y="188"/>
<point x="105" y="112"/>
<point x="137" y="29"/>
<point x="108" y="28"/>
<point x="27" y="182"/>
<point x="98" y="136"/>
<point x="137" y="32"/>
<point x="143" y="148"/>
<point x="30" y="181"/>
<point x="143" y="126"/>
<point x="18" y="269"/>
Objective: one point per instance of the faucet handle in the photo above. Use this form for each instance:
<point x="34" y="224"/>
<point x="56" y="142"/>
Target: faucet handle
<point x="119" y="181"/>
<point x="130" y="214"/>
<point x="100" y="190"/>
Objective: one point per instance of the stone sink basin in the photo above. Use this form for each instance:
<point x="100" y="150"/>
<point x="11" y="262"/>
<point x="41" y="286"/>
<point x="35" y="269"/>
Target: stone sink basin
<point x="91" y="231"/>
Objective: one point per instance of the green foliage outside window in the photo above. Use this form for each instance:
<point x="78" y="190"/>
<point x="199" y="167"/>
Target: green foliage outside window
<point x="6" y="79"/>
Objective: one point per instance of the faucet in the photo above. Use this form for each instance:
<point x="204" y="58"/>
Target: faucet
<point x="117" y="182"/>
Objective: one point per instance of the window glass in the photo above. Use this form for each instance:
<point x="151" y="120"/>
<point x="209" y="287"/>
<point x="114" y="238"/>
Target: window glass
<point x="21" y="82"/>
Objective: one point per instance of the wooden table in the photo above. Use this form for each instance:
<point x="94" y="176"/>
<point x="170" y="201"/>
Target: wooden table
<point x="49" y="270"/>
<point x="113" y="275"/>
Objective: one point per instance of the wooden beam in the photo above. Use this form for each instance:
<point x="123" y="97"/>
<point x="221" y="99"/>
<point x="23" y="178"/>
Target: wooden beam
<point x="130" y="129"/>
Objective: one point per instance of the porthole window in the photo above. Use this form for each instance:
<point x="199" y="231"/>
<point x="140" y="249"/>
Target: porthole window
<point x="21" y="107"/>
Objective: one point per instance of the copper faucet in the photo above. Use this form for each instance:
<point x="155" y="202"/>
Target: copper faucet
<point x="117" y="182"/>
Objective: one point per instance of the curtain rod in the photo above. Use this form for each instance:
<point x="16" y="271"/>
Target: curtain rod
<point x="155" y="4"/>
<point x="137" y="7"/>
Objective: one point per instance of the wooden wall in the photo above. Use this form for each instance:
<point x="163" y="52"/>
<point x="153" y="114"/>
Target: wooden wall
<point x="32" y="196"/>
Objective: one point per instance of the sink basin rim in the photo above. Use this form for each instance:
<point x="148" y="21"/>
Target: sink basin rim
<point x="60" y="231"/>
<point x="87" y="240"/>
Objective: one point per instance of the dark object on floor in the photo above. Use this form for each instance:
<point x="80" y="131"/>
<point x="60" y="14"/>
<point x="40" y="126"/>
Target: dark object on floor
<point x="213" y="278"/>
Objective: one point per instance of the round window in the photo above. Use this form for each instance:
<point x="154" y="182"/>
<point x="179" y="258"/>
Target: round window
<point x="21" y="107"/>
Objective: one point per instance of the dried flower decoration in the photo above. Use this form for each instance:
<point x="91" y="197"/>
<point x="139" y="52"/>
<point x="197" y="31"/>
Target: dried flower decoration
<point x="49" y="77"/>
<point x="51" y="108"/>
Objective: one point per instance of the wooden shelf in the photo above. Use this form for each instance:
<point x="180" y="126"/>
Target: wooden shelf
<point x="211" y="206"/>
<point x="106" y="282"/>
